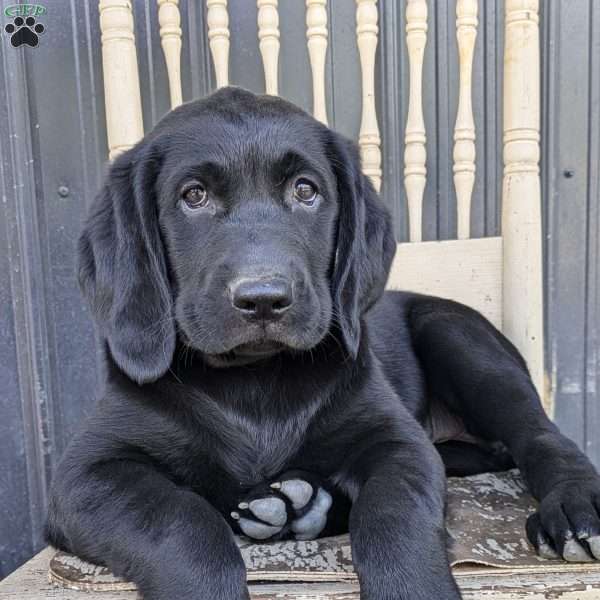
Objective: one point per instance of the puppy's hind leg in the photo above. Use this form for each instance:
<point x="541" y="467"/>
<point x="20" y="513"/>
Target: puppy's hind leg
<point x="485" y="381"/>
<point x="462" y="459"/>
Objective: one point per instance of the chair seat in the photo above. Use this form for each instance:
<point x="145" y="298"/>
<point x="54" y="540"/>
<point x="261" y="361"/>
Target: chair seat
<point x="487" y="546"/>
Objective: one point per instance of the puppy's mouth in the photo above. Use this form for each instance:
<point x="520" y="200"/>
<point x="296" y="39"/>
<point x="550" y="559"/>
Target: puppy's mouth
<point x="258" y="348"/>
<point x="246" y="353"/>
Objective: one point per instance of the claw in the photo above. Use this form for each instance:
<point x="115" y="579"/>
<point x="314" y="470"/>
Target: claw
<point x="243" y="505"/>
<point x="276" y="485"/>
<point x="235" y="515"/>
<point x="545" y="550"/>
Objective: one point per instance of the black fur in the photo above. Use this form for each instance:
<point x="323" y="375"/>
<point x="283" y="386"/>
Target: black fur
<point x="202" y="403"/>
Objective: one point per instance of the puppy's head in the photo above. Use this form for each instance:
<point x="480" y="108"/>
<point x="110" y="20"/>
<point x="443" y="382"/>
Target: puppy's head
<point x="239" y="225"/>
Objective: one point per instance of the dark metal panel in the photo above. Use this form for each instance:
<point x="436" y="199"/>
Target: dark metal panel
<point x="245" y="63"/>
<point x="440" y="101"/>
<point x="68" y="170"/>
<point x="295" y="79"/>
<point x="344" y="87"/>
<point x="592" y="348"/>
<point x="15" y="520"/>
<point x="198" y="78"/>
<point x="392" y="108"/>
<point x="25" y="348"/>
<point x="566" y="178"/>
<point x="53" y="148"/>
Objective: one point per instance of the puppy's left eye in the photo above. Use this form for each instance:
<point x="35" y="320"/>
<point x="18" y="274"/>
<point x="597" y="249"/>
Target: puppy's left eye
<point x="305" y="192"/>
<point x="195" y="196"/>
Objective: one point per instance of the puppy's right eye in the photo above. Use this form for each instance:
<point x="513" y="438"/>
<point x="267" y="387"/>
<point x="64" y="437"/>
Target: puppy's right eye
<point x="195" y="197"/>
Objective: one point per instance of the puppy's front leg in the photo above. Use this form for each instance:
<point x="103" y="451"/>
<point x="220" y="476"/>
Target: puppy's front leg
<point x="397" y="523"/>
<point x="168" y="540"/>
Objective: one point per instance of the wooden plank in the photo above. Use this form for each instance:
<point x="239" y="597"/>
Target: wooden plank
<point x="30" y="582"/>
<point x="464" y="129"/>
<point x="170" y="38"/>
<point x="521" y="198"/>
<point x="369" y="139"/>
<point x="415" y="153"/>
<point x="217" y="18"/>
<point x="468" y="271"/>
<point x="268" y="36"/>
<point x="316" y="35"/>
<point x="121" y="78"/>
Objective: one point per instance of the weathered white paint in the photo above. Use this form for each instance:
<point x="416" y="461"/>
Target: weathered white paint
<point x="123" y="104"/>
<point x="468" y="271"/>
<point x="268" y="35"/>
<point x="570" y="582"/>
<point x="369" y="140"/>
<point x="464" y="130"/>
<point x="316" y="34"/>
<point x="170" y="39"/>
<point x="218" y="36"/>
<point x="521" y="198"/>
<point x="415" y="154"/>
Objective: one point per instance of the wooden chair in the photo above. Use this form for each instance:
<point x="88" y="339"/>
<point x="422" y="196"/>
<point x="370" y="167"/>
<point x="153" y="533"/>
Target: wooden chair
<point x="499" y="276"/>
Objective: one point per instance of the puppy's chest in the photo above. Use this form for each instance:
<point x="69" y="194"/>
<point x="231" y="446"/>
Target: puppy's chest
<point x="254" y="450"/>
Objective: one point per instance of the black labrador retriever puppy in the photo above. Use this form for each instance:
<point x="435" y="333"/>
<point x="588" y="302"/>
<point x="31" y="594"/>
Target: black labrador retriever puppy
<point x="260" y="381"/>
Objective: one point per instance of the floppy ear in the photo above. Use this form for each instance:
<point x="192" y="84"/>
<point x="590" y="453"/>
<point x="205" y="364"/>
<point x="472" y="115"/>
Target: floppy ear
<point x="122" y="270"/>
<point x="365" y="243"/>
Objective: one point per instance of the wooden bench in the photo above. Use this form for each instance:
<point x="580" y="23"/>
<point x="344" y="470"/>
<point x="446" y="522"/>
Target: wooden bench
<point x="487" y="546"/>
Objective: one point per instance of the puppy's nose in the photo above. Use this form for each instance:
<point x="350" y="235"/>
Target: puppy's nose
<point x="264" y="298"/>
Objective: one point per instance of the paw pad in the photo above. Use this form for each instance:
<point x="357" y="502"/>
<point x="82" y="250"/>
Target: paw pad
<point x="290" y="506"/>
<point x="24" y="31"/>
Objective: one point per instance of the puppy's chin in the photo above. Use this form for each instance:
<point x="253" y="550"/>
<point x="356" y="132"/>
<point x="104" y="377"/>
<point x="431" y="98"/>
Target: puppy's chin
<point x="245" y="354"/>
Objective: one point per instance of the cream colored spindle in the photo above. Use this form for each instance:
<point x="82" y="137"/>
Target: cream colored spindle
<point x="464" y="130"/>
<point x="218" y="36"/>
<point x="316" y="34"/>
<point x="415" y="154"/>
<point x="268" y="34"/>
<point x="368" y="139"/>
<point x="122" y="99"/>
<point x="521" y="198"/>
<point x="170" y="38"/>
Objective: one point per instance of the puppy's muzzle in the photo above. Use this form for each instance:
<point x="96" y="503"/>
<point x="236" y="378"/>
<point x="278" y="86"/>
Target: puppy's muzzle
<point x="264" y="298"/>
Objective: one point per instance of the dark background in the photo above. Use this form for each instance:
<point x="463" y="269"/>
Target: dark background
<point x="53" y="153"/>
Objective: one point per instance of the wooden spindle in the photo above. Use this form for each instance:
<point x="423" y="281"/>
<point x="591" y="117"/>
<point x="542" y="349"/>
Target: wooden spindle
<point x="316" y="34"/>
<point x="521" y="198"/>
<point x="268" y="35"/>
<point x="170" y="38"/>
<point x="464" y="130"/>
<point x="368" y="138"/>
<point x="415" y="154"/>
<point x="218" y="36"/>
<point x="123" y="104"/>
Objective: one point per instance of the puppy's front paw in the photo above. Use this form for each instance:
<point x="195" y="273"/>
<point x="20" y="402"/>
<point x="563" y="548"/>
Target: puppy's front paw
<point x="567" y="523"/>
<point x="296" y="505"/>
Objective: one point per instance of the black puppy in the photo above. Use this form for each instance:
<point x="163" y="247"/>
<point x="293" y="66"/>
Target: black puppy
<point x="235" y="262"/>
